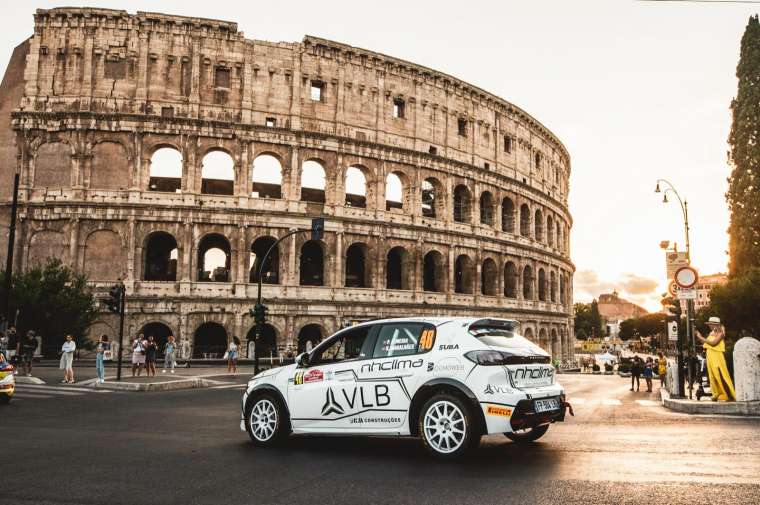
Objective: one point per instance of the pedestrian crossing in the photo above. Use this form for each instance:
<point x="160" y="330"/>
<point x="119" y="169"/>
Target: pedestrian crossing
<point x="610" y="402"/>
<point x="46" y="392"/>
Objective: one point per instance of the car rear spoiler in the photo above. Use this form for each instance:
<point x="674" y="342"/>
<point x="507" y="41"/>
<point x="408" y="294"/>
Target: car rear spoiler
<point x="504" y="324"/>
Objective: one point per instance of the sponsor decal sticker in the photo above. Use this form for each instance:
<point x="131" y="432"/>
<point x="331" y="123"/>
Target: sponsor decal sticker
<point x="396" y="364"/>
<point x="492" y="390"/>
<point x="447" y="365"/>
<point x="448" y="347"/>
<point x="355" y="398"/>
<point x="313" y="376"/>
<point x="495" y="410"/>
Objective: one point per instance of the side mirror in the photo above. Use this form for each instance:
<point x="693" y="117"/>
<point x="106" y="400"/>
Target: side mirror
<point x="303" y="360"/>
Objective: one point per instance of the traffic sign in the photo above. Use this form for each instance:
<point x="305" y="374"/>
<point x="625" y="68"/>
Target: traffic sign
<point x="673" y="261"/>
<point x="672" y="330"/>
<point x="673" y="288"/>
<point x="686" y="277"/>
<point x="687" y="294"/>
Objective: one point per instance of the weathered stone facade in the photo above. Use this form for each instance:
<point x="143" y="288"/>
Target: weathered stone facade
<point x="482" y="226"/>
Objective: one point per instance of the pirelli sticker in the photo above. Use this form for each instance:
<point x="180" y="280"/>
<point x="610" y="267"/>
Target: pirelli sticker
<point x="495" y="410"/>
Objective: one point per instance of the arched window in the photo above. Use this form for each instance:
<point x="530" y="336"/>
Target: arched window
<point x="553" y="286"/>
<point x="541" y="284"/>
<point x="308" y="337"/>
<point x="560" y="245"/>
<point x="266" y="177"/>
<point x="161" y="255"/>
<point x="160" y="333"/>
<point x="356" y="187"/>
<point x="397" y="269"/>
<point x="217" y="174"/>
<point x="461" y="204"/>
<point x="394" y="192"/>
<point x="525" y="220"/>
<point x="214" y="258"/>
<point x="432" y="203"/>
<point x="433" y="273"/>
<point x="539" y="223"/>
<point x="550" y="231"/>
<point x="312" y="264"/>
<point x="527" y="279"/>
<point x="266" y="343"/>
<point x="488" y="277"/>
<point x="555" y="344"/>
<point x="510" y="280"/>
<point x="507" y="215"/>
<point x="166" y="170"/>
<point x="543" y="341"/>
<point x="313" y="182"/>
<point x="356" y="267"/>
<point x="562" y="288"/>
<point x="463" y="268"/>
<point x="486" y="208"/>
<point x="271" y="272"/>
<point x="209" y="341"/>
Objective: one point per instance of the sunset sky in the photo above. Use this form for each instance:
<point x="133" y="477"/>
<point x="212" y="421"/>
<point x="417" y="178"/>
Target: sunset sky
<point x="635" y="90"/>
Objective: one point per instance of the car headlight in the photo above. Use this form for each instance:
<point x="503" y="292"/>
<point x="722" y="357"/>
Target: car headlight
<point x="8" y="379"/>
<point x="498" y="358"/>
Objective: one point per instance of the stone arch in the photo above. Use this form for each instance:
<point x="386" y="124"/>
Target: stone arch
<point x="550" y="230"/>
<point x="542" y="284"/>
<point x="266" y="344"/>
<point x="487" y="206"/>
<point x="463" y="274"/>
<point x="110" y="167"/>
<point x="525" y="220"/>
<point x="217" y="173"/>
<point x="312" y="263"/>
<point x="539" y="225"/>
<point x="266" y="176"/>
<point x="543" y="341"/>
<point x="52" y="165"/>
<point x="562" y="294"/>
<point x="160" y="257"/>
<point x="209" y="341"/>
<point x="553" y="286"/>
<point x="433" y="203"/>
<point x="510" y="280"/>
<point x="160" y="332"/>
<point x="214" y="258"/>
<point x="398" y="268"/>
<point x="528" y="333"/>
<point x="356" y="186"/>
<point x="433" y="272"/>
<point x="507" y="215"/>
<point x="527" y="282"/>
<point x="105" y="257"/>
<point x="313" y="181"/>
<point x="46" y="244"/>
<point x="358" y="273"/>
<point x="166" y="167"/>
<point x="489" y="277"/>
<point x="271" y="272"/>
<point x="462" y="204"/>
<point x="394" y="191"/>
<point x="555" y="345"/>
<point x="309" y="336"/>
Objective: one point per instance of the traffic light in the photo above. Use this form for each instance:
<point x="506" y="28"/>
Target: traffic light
<point x="317" y="228"/>
<point x="259" y="314"/>
<point x="113" y="300"/>
<point x="672" y="307"/>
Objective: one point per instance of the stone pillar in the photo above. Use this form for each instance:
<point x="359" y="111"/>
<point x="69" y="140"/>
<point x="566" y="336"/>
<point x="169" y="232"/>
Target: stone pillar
<point x="73" y="244"/>
<point x="747" y="369"/>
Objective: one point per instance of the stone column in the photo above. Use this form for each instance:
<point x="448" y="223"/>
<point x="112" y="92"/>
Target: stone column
<point x="74" y="244"/>
<point x="747" y="369"/>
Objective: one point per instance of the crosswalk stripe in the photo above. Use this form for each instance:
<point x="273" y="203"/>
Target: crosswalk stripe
<point x="611" y="402"/>
<point x="577" y="401"/>
<point x="229" y="386"/>
<point x="51" y="391"/>
<point x="48" y="387"/>
<point x="647" y="403"/>
<point x="29" y="396"/>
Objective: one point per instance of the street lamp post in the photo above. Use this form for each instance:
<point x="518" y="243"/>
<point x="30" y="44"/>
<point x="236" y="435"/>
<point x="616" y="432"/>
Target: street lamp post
<point x="689" y="303"/>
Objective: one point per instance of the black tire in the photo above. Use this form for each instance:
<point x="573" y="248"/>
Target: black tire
<point x="456" y="426"/>
<point x="271" y="429"/>
<point x="529" y="435"/>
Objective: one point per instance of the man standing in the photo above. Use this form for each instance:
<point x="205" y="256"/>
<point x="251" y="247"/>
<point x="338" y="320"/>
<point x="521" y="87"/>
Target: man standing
<point x="635" y="372"/>
<point x="28" y="346"/>
<point x="12" y="347"/>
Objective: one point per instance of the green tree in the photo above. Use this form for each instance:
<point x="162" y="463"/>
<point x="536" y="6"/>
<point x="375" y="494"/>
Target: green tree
<point x="737" y="303"/>
<point x="744" y="183"/>
<point x="597" y="325"/>
<point x="54" y="301"/>
<point x="582" y="320"/>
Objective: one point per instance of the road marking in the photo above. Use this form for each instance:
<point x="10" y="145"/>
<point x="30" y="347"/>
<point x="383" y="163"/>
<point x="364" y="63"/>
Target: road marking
<point x="229" y="386"/>
<point x="577" y="401"/>
<point x="647" y="403"/>
<point x="611" y="402"/>
<point x="31" y="396"/>
<point x="51" y="390"/>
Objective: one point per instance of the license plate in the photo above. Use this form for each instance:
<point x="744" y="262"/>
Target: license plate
<point x="546" y="404"/>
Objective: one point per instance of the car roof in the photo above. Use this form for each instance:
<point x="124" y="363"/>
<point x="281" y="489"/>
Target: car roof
<point x="436" y="321"/>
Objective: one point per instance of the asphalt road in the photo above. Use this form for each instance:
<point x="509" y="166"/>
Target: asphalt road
<point x="67" y="445"/>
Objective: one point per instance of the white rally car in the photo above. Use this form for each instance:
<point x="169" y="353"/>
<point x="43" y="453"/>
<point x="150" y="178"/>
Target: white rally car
<point x="446" y="380"/>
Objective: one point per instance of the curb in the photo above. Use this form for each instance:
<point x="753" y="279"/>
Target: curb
<point x="723" y="408"/>
<point x="191" y="383"/>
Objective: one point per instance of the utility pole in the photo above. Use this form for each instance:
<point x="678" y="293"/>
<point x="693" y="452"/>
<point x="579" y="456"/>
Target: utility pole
<point x="9" y="258"/>
<point x="116" y="302"/>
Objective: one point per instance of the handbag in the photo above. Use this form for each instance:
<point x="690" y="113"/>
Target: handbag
<point x="107" y="355"/>
<point x="226" y="355"/>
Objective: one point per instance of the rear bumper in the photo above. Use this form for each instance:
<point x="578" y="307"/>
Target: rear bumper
<point x="524" y="416"/>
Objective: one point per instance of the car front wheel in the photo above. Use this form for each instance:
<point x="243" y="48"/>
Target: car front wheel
<point x="528" y="434"/>
<point x="264" y="421"/>
<point x="446" y="426"/>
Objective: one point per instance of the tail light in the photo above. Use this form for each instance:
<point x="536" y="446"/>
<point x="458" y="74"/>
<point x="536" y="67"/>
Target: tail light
<point x="499" y="358"/>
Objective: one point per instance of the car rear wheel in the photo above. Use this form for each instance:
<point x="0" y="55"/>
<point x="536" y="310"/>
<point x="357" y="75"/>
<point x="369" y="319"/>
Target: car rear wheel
<point x="446" y="426"/>
<point x="528" y="434"/>
<point x="264" y="420"/>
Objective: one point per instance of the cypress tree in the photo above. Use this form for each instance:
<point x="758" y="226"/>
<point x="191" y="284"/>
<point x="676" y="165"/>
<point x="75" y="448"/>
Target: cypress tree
<point x="744" y="184"/>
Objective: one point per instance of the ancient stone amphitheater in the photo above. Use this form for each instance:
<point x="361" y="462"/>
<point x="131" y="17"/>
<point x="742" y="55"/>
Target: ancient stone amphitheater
<point x="171" y="152"/>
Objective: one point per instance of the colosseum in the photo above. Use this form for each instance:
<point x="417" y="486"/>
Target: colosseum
<point x="171" y="152"/>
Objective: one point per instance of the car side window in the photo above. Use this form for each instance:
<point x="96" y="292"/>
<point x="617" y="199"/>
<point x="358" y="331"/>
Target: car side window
<point x="403" y="339"/>
<point x="351" y="344"/>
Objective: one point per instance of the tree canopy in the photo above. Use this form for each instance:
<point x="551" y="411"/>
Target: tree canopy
<point x="588" y="321"/>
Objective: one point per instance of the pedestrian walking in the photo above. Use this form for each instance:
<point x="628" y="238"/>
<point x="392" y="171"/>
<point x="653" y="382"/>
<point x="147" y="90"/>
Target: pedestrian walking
<point x="635" y="372"/>
<point x="169" y="350"/>
<point x="12" y="353"/>
<point x="4" y="345"/>
<point x="102" y="348"/>
<point x="138" y="355"/>
<point x="232" y="355"/>
<point x="649" y="373"/>
<point x="28" y="346"/>
<point x="67" y="359"/>
<point x="721" y="386"/>
<point x="662" y="368"/>
<point x="151" y="349"/>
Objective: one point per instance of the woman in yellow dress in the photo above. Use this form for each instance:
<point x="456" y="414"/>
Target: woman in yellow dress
<point x="721" y="386"/>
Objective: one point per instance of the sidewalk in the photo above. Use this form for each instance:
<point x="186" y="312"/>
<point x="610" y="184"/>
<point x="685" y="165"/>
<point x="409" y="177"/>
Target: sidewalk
<point x="709" y="407"/>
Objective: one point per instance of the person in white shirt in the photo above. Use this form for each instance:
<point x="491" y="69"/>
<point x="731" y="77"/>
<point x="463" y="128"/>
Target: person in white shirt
<point x="232" y="355"/>
<point x="67" y="359"/>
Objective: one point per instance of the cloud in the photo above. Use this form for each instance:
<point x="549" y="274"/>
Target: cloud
<point x="635" y="288"/>
<point x="637" y="285"/>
